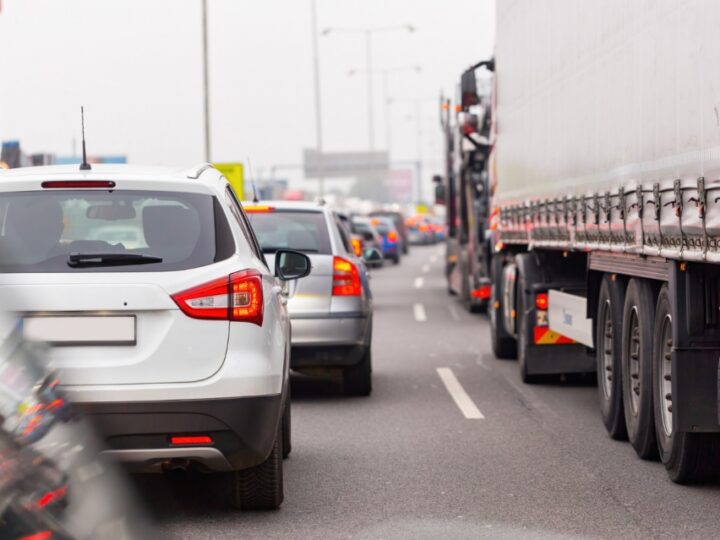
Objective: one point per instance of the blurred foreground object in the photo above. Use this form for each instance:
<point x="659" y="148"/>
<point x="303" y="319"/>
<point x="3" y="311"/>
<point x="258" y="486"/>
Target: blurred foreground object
<point x="52" y="483"/>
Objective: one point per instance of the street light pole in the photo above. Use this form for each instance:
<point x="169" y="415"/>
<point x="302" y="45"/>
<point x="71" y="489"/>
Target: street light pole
<point x="368" y="32"/>
<point x="368" y="68"/>
<point x="206" y="96"/>
<point x="318" y="113"/>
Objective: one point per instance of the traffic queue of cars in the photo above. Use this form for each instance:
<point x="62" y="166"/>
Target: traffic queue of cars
<point x="174" y="312"/>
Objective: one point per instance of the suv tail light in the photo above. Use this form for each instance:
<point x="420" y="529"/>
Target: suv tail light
<point x="238" y="297"/>
<point x="346" y="278"/>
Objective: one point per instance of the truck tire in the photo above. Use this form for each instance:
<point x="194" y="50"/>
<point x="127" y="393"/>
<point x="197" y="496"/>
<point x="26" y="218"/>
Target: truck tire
<point x="357" y="379"/>
<point x="287" y="426"/>
<point x="503" y="344"/>
<point x="609" y="352"/>
<point x="522" y="333"/>
<point x="688" y="457"/>
<point x="261" y="487"/>
<point x="637" y="340"/>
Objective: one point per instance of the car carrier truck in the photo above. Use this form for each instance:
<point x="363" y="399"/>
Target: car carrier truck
<point x="605" y="182"/>
<point x="465" y="190"/>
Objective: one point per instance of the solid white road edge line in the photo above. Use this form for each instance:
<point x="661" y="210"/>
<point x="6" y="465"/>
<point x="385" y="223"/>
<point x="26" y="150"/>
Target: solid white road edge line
<point x="419" y="311"/>
<point x="418" y="283"/>
<point x="457" y="392"/>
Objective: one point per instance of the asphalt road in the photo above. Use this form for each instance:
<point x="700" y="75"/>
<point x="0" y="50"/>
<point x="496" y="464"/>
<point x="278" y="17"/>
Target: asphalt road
<point x="406" y="463"/>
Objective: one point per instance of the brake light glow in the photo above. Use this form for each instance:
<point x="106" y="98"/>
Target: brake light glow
<point x="392" y="237"/>
<point x="541" y="301"/>
<point x="42" y="535"/>
<point x="258" y="209"/>
<point x="357" y="247"/>
<point x="52" y="496"/>
<point x="78" y="184"/>
<point x="423" y="227"/>
<point x="189" y="440"/>
<point x="238" y="297"/>
<point x="482" y="292"/>
<point x="346" y="278"/>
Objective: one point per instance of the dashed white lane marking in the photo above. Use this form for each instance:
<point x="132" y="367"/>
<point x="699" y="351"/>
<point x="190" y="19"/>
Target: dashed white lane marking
<point x="419" y="311"/>
<point x="425" y="268"/>
<point x="433" y="258"/>
<point x="418" y="283"/>
<point x="454" y="313"/>
<point x="457" y="392"/>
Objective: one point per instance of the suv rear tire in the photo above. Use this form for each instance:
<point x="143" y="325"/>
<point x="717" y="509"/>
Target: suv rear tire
<point x="357" y="379"/>
<point x="287" y="426"/>
<point x="261" y="487"/>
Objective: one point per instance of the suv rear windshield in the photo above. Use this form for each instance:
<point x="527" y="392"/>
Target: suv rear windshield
<point x="304" y="231"/>
<point x="134" y="231"/>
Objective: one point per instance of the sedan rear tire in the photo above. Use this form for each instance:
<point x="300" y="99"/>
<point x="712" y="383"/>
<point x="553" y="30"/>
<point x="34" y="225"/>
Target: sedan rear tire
<point x="357" y="379"/>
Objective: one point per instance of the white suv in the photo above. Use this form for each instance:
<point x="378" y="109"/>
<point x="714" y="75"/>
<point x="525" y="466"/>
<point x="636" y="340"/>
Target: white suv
<point x="177" y="343"/>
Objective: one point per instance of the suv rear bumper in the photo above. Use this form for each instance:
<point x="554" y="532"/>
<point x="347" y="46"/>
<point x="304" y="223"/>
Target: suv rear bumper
<point x="138" y="433"/>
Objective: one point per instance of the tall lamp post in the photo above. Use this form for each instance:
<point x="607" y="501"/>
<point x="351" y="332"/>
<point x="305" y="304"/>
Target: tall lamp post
<point x="206" y="97"/>
<point x="318" y="111"/>
<point x="385" y="72"/>
<point x="368" y="32"/>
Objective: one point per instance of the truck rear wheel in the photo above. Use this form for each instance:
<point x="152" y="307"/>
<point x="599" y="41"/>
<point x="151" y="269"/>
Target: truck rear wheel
<point x="522" y="333"/>
<point x="637" y="340"/>
<point x="688" y="457"/>
<point x="503" y="345"/>
<point x="609" y="352"/>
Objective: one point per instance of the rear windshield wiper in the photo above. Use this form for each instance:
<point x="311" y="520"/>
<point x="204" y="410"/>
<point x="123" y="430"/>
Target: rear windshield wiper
<point x="76" y="260"/>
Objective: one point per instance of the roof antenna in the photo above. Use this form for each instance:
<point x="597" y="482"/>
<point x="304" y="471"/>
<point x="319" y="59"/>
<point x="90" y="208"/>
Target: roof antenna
<point x="256" y="199"/>
<point x="84" y="166"/>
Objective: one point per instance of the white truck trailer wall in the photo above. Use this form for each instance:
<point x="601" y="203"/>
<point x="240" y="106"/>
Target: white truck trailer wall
<point x="597" y="94"/>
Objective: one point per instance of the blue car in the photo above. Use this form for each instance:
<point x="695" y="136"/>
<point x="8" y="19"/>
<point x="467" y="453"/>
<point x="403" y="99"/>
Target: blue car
<point x="392" y="244"/>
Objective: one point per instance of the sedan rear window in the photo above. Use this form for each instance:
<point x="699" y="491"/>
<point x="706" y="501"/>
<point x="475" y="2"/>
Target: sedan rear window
<point x="304" y="231"/>
<point x="111" y="231"/>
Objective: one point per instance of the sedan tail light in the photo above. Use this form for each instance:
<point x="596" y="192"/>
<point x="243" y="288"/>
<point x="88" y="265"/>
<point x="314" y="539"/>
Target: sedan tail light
<point x="357" y="246"/>
<point x="238" y="297"/>
<point x="392" y="236"/>
<point x="346" y="278"/>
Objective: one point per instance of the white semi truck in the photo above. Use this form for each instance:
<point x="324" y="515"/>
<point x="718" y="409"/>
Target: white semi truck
<point x="605" y="180"/>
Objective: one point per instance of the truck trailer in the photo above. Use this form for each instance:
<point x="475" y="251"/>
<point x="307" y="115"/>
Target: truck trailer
<point x="605" y="184"/>
<point x="465" y="190"/>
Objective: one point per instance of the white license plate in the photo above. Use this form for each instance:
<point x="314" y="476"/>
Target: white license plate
<point x="65" y="330"/>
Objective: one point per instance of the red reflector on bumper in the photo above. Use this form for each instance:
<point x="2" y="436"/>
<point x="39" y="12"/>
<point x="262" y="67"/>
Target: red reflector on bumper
<point x="186" y="440"/>
<point x="483" y="292"/>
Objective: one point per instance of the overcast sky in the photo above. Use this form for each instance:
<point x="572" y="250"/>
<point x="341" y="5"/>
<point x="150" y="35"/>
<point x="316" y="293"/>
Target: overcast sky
<point x="136" y="66"/>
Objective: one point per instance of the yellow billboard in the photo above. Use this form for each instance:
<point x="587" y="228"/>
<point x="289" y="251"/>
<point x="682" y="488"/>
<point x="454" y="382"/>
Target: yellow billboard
<point x="234" y="174"/>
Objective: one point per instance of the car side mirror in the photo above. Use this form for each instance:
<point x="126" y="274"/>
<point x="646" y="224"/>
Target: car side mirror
<point x="372" y="255"/>
<point x="291" y="264"/>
